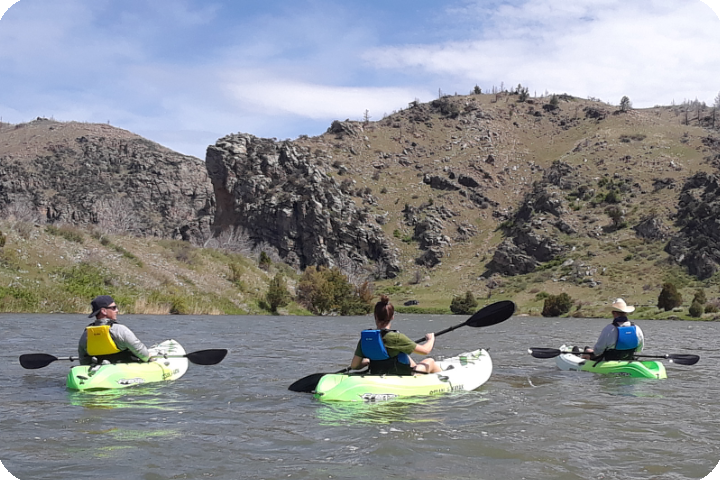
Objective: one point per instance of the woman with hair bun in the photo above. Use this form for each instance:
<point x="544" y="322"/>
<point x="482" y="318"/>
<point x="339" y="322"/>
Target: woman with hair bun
<point x="388" y="351"/>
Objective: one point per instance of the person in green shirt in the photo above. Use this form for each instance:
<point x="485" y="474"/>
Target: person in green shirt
<point x="387" y="351"/>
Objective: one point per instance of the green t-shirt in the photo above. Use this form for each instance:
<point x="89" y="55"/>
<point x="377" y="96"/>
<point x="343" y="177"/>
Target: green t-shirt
<point x="395" y="343"/>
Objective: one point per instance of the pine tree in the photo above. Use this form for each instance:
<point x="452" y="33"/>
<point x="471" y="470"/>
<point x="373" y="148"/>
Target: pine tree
<point x="625" y="104"/>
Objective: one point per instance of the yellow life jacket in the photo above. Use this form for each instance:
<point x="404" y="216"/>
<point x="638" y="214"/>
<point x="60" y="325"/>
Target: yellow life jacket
<point x="99" y="341"/>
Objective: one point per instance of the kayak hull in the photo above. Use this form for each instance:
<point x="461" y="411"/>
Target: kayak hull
<point x="464" y="372"/>
<point x="124" y="375"/>
<point x="633" y="368"/>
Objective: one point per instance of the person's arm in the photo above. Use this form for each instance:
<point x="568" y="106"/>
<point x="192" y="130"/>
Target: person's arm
<point x="641" y="340"/>
<point x="426" y="348"/>
<point x="607" y="339"/>
<point x="83" y="356"/>
<point x="126" y="339"/>
<point x="359" y="362"/>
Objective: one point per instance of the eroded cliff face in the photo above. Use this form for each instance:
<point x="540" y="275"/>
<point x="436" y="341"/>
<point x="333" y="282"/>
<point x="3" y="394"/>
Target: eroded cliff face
<point x="697" y="244"/>
<point x="279" y="194"/>
<point x="93" y="174"/>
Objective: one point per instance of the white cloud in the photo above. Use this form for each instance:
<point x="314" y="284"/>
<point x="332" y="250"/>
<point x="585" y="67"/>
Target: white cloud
<point x="589" y="48"/>
<point x="276" y="96"/>
<point x="281" y="69"/>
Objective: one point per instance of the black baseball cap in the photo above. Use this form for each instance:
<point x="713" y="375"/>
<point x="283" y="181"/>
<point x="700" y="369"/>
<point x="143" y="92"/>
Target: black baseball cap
<point x="100" y="302"/>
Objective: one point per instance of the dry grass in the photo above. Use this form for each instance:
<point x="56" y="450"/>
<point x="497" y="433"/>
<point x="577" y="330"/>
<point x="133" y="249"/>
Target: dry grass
<point x="46" y="272"/>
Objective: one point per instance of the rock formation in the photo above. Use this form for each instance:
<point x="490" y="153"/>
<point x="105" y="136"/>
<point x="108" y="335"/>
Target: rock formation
<point x="94" y="174"/>
<point x="528" y="237"/>
<point x="276" y="194"/>
<point x="697" y="245"/>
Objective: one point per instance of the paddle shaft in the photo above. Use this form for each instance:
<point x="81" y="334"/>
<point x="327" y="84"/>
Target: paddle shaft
<point x="443" y="332"/>
<point x="681" y="359"/>
<point x="32" y="361"/>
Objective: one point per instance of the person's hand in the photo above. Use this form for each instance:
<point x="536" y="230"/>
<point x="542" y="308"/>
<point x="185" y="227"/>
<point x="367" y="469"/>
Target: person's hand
<point x="429" y="337"/>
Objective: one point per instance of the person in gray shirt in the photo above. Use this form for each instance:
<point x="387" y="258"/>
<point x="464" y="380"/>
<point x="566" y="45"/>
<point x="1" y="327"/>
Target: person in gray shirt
<point x="107" y="340"/>
<point x="621" y="339"/>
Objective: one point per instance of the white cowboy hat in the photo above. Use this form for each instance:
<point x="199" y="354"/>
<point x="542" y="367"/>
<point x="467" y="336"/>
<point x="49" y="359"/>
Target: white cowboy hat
<point x="621" y="306"/>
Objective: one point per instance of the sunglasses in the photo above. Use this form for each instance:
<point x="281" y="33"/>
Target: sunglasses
<point x="112" y="307"/>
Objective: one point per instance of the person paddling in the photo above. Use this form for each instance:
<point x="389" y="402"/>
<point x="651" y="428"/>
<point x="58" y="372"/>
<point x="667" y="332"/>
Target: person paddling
<point x="621" y="339"/>
<point x="107" y="340"/>
<point x="388" y="351"/>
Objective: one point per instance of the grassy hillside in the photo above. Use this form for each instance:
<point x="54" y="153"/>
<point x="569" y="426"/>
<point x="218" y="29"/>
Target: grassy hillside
<point x="508" y="145"/>
<point x="60" y="269"/>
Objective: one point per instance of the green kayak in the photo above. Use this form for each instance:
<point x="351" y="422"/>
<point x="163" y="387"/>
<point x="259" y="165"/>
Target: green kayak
<point x="463" y="372"/>
<point x="633" y="368"/>
<point x="122" y="375"/>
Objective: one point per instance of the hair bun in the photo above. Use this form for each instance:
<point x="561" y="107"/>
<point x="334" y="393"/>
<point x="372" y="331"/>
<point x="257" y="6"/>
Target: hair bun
<point x="384" y="299"/>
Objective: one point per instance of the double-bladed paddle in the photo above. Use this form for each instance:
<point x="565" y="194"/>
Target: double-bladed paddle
<point x="681" y="359"/>
<point x="213" y="356"/>
<point x="485" y="317"/>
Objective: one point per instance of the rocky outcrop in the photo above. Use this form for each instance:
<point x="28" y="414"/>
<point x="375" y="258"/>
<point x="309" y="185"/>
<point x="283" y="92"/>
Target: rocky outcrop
<point x="527" y="242"/>
<point x="91" y="174"/>
<point x="652" y="228"/>
<point x="277" y="194"/>
<point x="428" y="222"/>
<point x="697" y="245"/>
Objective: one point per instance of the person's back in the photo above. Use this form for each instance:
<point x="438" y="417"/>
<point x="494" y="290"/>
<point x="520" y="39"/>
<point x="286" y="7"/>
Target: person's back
<point x="389" y="351"/>
<point x="107" y="340"/>
<point x="621" y="339"/>
<point x="386" y="351"/>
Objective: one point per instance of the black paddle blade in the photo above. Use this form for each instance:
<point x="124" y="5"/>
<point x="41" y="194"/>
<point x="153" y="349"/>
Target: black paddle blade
<point x="207" y="357"/>
<point x="538" y="352"/>
<point x="492" y="314"/>
<point x="683" y="359"/>
<point x="306" y="384"/>
<point x="32" y="361"/>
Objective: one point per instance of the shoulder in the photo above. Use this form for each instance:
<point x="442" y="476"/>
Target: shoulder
<point x="397" y="337"/>
<point x="119" y="327"/>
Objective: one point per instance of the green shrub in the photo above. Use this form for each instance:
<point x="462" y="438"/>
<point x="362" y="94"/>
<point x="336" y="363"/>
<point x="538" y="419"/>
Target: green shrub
<point x="464" y="305"/>
<point x="669" y="297"/>
<point x="68" y="233"/>
<point x="85" y="281"/>
<point x="541" y="296"/>
<point x="556" y="305"/>
<point x="236" y="273"/>
<point x="18" y="299"/>
<point x="277" y="295"/>
<point x="700" y="297"/>
<point x="179" y="306"/>
<point x="264" y="262"/>
<point x="613" y="196"/>
<point x="696" y="309"/>
<point x="325" y="290"/>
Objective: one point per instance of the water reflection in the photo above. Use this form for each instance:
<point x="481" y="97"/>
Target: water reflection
<point x="137" y="397"/>
<point x="406" y="410"/>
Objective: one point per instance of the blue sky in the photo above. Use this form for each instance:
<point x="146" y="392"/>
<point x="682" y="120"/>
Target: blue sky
<point x="184" y="73"/>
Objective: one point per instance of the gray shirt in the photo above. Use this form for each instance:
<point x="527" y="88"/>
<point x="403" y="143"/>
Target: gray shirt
<point x="608" y="338"/>
<point x="123" y="337"/>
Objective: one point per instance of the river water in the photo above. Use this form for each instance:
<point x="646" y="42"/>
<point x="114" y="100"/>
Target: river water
<point x="237" y="420"/>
